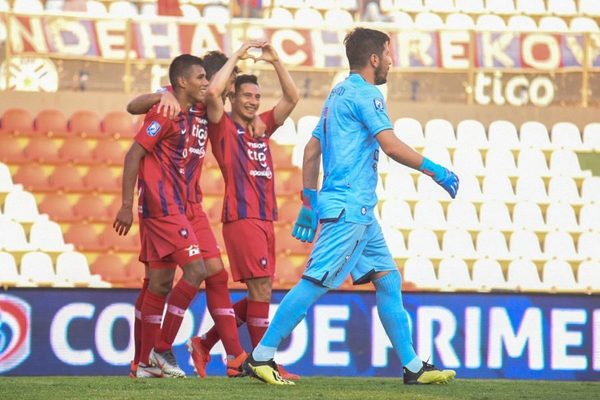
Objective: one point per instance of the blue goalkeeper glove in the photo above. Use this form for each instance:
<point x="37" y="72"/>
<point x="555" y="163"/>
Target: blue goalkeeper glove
<point x="305" y="227"/>
<point x="442" y="176"/>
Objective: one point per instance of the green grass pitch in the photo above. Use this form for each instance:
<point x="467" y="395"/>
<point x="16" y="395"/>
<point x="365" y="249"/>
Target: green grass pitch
<point x="50" y="388"/>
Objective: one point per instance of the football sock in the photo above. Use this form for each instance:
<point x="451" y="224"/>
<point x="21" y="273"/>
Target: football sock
<point x="219" y="306"/>
<point x="152" y="310"/>
<point x="182" y="295"/>
<point x="257" y="320"/>
<point x="137" y="325"/>
<point x="210" y="338"/>
<point x="290" y="312"/>
<point x="394" y="317"/>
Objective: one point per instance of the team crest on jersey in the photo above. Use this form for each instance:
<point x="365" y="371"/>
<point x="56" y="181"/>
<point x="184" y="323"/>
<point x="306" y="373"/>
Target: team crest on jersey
<point x="184" y="233"/>
<point x="153" y="128"/>
<point x="378" y="102"/>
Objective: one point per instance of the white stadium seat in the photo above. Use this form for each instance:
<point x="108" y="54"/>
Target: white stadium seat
<point x="470" y="132"/>
<point x="439" y="132"/>
<point x="531" y="7"/>
<point x="420" y="272"/>
<point x="427" y="21"/>
<point x="462" y="215"/>
<point x="21" y="206"/>
<point x="503" y="133"/>
<point x="458" y="243"/>
<point x="47" y="236"/>
<point x="459" y="21"/>
<point x="500" y="6"/>
<point x="523" y="275"/>
<point x="560" y="245"/>
<point x="453" y="274"/>
<point x="558" y="275"/>
<point x="521" y="23"/>
<point x="565" y="134"/>
<point x="531" y="188"/>
<point x="588" y="246"/>
<point x="410" y="131"/>
<point x="553" y="24"/>
<point x="525" y="244"/>
<point x="562" y="7"/>
<point x="494" y="214"/>
<point x="528" y="215"/>
<point x="534" y="134"/>
<point x="583" y="24"/>
<point x="423" y="243"/>
<point x="72" y="267"/>
<point x="588" y="275"/>
<point x="532" y="162"/>
<point x="491" y="244"/>
<point x="487" y="275"/>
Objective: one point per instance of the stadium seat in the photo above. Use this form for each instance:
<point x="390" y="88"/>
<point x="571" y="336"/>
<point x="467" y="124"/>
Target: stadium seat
<point x="287" y="211"/>
<point x="438" y="154"/>
<point x="588" y="276"/>
<point x="47" y="236"/>
<point x="490" y="22"/>
<point x="590" y="190"/>
<point x="84" y="237"/>
<point x="423" y="243"/>
<point x="288" y="184"/>
<point x="589" y="7"/>
<point x="458" y="243"/>
<point x="566" y="135"/>
<point x="500" y="6"/>
<point x="113" y="241"/>
<point x="559" y="245"/>
<point x="111" y="268"/>
<point x="534" y="134"/>
<point x="122" y="9"/>
<point x="588" y="246"/>
<point x="497" y="187"/>
<point x="453" y="274"/>
<point x="12" y="236"/>
<point x="492" y="244"/>
<point x="42" y="150"/>
<point x="553" y="24"/>
<point x="151" y="10"/>
<point x="563" y="188"/>
<point x="470" y="6"/>
<point x="429" y="214"/>
<point x="37" y="268"/>
<point x="11" y="150"/>
<point x="487" y="275"/>
<point x="320" y="4"/>
<point x="51" y="122"/>
<point x="523" y="275"/>
<point x="583" y="24"/>
<point x="135" y="272"/>
<point x="530" y="7"/>
<point x="84" y="123"/>
<point x="305" y="126"/>
<point x="286" y="133"/>
<point x="16" y="121"/>
<point x="532" y="162"/>
<point x="211" y="182"/>
<point x="410" y="131"/>
<point x="462" y="214"/>
<point x="589" y="215"/>
<point x="420" y="272"/>
<point x="281" y="16"/>
<point x="109" y="152"/>
<point x="525" y="244"/>
<point x="216" y="12"/>
<point x="562" y="7"/>
<point x="467" y="160"/>
<point x="58" y="208"/>
<point x="428" y="189"/>
<point x="9" y="274"/>
<point x="66" y="178"/>
<point x="560" y="216"/>
<point x="565" y="162"/>
<point x="102" y="179"/>
<point x="503" y="133"/>
<point x="500" y="161"/>
<point x="395" y="213"/>
<point x="6" y="181"/>
<point x="494" y="214"/>
<point x="33" y="177"/>
<point x="591" y="136"/>
<point x="471" y="133"/>
<point x="401" y="19"/>
<point x="395" y="242"/>
<point x="308" y="17"/>
<point x="427" y="21"/>
<point x="521" y="23"/>
<point x="117" y="124"/>
<point x="439" y="132"/>
<point x="469" y="188"/>
<point x="439" y="6"/>
<point x="286" y="244"/>
<point x="459" y="21"/>
<point x="281" y="155"/>
<point x="72" y="267"/>
<point x="21" y="206"/>
<point x="337" y="17"/>
<point x="528" y="215"/>
<point x="189" y="11"/>
<point x="96" y="8"/>
<point x="76" y="150"/>
<point x="530" y="188"/>
<point x="411" y="5"/>
<point x="91" y="208"/>
<point x="557" y="275"/>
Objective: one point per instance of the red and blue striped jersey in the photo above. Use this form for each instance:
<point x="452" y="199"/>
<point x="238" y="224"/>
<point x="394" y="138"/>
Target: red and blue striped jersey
<point x="247" y="168"/>
<point x="169" y="174"/>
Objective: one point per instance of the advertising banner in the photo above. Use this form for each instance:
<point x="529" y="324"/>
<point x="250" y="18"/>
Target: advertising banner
<point x="512" y="336"/>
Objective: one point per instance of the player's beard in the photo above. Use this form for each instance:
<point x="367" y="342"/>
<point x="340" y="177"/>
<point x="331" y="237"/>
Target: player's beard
<point x="380" y="75"/>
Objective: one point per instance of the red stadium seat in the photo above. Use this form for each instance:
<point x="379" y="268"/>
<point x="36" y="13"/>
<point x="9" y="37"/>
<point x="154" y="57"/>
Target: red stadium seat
<point x="127" y="243"/>
<point x="11" y="150"/>
<point x="118" y="124"/>
<point x="85" y="237"/>
<point x="288" y="210"/>
<point x="16" y="121"/>
<point x="58" y="207"/>
<point x="111" y="268"/>
<point x="286" y="244"/>
<point x="110" y="152"/>
<point x="213" y="208"/>
<point x="42" y="150"/>
<point x="211" y="182"/>
<point x="102" y="179"/>
<point x="66" y="178"/>
<point x="136" y="273"/>
<point x="282" y="155"/>
<point x="33" y="177"/>
<point x="288" y="183"/>
<point x="77" y="151"/>
<point x="84" y="123"/>
<point x="91" y="208"/>
<point x="286" y="273"/>
<point x="51" y="122"/>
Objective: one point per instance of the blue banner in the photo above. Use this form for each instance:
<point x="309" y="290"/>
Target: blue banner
<point x="513" y="336"/>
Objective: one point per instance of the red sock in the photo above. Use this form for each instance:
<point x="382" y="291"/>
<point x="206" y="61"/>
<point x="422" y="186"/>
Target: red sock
<point x="152" y="310"/>
<point x="180" y="299"/>
<point x="137" y="325"/>
<point x="257" y="320"/>
<point x="219" y="306"/>
<point x="210" y="338"/>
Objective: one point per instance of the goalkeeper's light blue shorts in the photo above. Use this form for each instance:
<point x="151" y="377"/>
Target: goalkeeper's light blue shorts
<point x="344" y="248"/>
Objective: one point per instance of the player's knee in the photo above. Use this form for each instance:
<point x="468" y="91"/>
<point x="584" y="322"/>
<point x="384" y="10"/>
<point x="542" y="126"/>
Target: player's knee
<point x="194" y="272"/>
<point x="218" y="279"/>
<point x="259" y="289"/>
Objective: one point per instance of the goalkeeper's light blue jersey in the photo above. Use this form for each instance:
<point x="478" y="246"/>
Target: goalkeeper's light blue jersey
<point x="353" y="115"/>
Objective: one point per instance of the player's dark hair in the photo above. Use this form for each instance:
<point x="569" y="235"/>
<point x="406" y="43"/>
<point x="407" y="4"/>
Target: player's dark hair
<point x="181" y="66"/>
<point x="241" y="79"/>
<point x="361" y="43"/>
<point x="214" y="61"/>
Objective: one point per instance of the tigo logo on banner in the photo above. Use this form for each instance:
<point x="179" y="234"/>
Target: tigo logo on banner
<point x="15" y="332"/>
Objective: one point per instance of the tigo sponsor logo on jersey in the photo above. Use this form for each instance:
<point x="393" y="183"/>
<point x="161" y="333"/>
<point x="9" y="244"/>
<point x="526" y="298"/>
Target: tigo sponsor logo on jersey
<point x="15" y="332"/>
<point x="153" y="128"/>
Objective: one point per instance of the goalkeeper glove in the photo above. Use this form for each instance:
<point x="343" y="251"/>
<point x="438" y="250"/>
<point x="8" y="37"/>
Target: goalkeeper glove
<point x="442" y="176"/>
<point x="305" y="227"/>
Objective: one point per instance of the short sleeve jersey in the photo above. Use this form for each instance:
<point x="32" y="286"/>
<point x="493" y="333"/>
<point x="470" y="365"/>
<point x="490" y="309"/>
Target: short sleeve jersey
<point x="353" y="115"/>
<point x="167" y="173"/>
<point x="247" y="167"/>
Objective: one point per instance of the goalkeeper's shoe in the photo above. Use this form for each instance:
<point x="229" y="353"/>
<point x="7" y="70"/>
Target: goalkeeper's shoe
<point x="428" y="375"/>
<point x="167" y="363"/>
<point x="285" y="374"/>
<point x="133" y="370"/>
<point x="200" y="355"/>
<point x="148" y="371"/>
<point x="234" y="367"/>
<point x="265" y="371"/>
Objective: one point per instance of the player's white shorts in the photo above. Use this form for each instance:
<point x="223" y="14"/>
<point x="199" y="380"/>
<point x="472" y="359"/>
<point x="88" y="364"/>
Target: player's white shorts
<point x="344" y="248"/>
